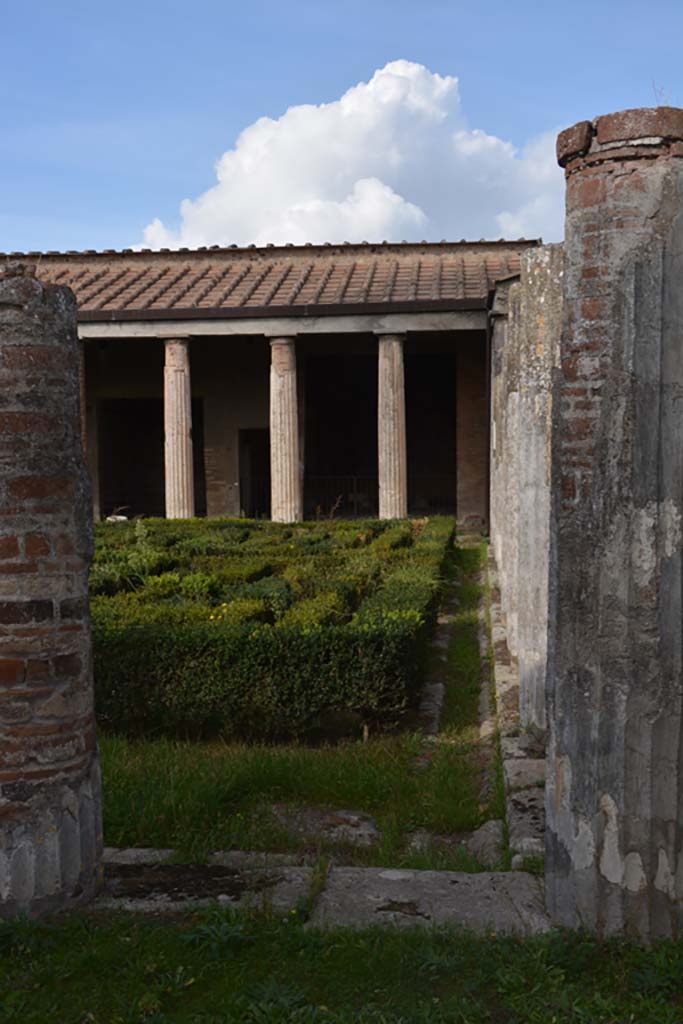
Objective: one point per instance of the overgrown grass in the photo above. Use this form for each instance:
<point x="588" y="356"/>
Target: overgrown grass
<point x="200" y="797"/>
<point x="464" y="669"/>
<point x="225" y="968"/>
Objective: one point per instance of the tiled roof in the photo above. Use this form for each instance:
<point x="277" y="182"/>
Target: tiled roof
<point x="276" y="281"/>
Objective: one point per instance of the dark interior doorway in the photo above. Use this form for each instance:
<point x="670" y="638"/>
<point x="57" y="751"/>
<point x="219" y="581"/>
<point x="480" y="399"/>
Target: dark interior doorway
<point x="431" y="432"/>
<point x="341" y="435"/>
<point x="131" y="456"/>
<point x="254" y="463"/>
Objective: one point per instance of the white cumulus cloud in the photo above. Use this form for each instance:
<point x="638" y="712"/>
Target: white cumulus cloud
<point x="394" y="158"/>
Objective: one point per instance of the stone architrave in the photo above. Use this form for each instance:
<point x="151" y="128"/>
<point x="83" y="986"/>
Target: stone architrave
<point x="285" y="469"/>
<point x="391" y="429"/>
<point x="50" y="804"/>
<point x="179" y="478"/>
<point x="614" y="795"/>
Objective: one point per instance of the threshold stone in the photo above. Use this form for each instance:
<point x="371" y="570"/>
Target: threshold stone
<point x="502" y="902"/>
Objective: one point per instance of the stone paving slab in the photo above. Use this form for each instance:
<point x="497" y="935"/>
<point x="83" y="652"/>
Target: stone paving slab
<point x="241" y="860"/>
<point x="170" y="888"/>
<point x="135" y="855"/>
<point x="509" y="903"/>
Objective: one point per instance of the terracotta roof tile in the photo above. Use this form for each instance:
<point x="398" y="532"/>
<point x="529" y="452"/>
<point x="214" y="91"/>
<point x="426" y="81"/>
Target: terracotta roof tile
<point x="283" y="279"/>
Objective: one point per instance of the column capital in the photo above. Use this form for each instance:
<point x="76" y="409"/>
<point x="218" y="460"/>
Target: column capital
<point x="390" y="335"/>
<point x="280" y="339"/>
<point x="176" y="353"/>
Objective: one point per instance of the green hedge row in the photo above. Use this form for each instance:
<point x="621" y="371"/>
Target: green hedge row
<point x="264" y="665"/>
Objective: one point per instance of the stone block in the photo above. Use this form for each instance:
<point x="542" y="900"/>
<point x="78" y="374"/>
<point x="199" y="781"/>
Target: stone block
<point x="486" y="843"/>
<point x="524" y="772"/>
<point x="364" y="897"/>
<point x="525" y="811"/>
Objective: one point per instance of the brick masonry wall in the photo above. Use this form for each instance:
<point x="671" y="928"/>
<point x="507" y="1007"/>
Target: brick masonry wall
<point x="525" y="334"/>
<point x="614" y="797"/>
<point x="50" y="814"/>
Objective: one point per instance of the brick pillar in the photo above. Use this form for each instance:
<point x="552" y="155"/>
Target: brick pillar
<point x="285" y="469"/>
<point x="50" y="813"/>
<point x="391" y="429"/>
<point x="178" y="430"/>
<point x="615" y="792"/>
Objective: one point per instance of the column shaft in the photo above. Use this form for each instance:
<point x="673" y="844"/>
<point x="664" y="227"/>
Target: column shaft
<point x="286" y="496"/>
<point x="614" y="796"/>
<point x="178" y="431"/>
<point x="50" y="792"/>
<point x="391" y="429"/>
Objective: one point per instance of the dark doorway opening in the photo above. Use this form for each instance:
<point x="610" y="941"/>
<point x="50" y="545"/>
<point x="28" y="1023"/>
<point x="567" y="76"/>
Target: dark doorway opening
<point x="341" y="435"/>
<point x="254" y="463"/>
<point x="131" y="456"/>
<point x="431" y="432"/>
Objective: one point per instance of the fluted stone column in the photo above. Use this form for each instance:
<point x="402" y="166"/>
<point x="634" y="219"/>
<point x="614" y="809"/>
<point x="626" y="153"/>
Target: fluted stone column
<point x="391" y="429"/>
<point x="178" y="431"/>
<point x="614" y="797"/>
<point x="285" y="480"/>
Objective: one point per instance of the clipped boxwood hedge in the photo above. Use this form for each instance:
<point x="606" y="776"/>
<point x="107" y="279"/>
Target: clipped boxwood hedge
<point x="279" y="651"/>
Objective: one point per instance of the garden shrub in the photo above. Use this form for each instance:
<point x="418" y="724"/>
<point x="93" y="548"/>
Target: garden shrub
<point x="238" y="570"/>
<point x="259" y="642"/>
<point x="242" y="609"/>
<point x="201" y="586"/>
<point x="399" y="536"/>
<point x="275" y="592"/>
<point x="160" y="588"/>
<point x="127" y="612"/>
<point x="322" y="610"/>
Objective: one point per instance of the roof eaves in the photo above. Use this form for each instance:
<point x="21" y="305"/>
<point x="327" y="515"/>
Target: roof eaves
<point x="263" y="312"/>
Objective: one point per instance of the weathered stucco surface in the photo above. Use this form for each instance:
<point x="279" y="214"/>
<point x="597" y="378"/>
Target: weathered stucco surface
<point x="50" y="815"/>
<point x="614" y="797"/>
<point x="524" y="352"/>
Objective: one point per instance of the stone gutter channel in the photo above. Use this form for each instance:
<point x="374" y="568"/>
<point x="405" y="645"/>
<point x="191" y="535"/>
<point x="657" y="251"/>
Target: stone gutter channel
<point x="505" y="902"/>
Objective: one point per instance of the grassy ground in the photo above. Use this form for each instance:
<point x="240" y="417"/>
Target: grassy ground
<point x="203" y="797"/>
<point x="219" y="968"/>
<point x="464" y="671"/>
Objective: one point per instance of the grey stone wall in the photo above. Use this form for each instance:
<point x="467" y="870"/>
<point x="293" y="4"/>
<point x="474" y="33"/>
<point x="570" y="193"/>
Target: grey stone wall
<point x="614" y="798"/>
<point x="525" y="333"/>
<point x="50" y="814"/>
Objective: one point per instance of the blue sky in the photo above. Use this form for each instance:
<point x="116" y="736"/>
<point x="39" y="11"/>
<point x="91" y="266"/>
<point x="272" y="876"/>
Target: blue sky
<point x="114" y="113"/>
